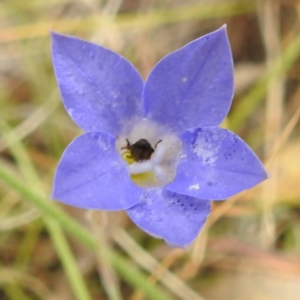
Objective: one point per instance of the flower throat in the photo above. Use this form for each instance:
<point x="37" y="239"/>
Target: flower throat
<point x="151" y="153"/>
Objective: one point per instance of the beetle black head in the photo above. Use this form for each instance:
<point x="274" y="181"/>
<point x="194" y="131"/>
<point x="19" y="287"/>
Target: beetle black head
<point x="141" y="150"/>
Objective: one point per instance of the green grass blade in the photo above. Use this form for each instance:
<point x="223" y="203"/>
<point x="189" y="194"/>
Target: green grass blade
<point x="249" y="103"/>
<point x="48" y="208"/>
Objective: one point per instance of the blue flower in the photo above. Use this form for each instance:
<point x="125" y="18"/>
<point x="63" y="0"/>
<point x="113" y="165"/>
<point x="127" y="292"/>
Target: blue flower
<point x="152" y="148"/>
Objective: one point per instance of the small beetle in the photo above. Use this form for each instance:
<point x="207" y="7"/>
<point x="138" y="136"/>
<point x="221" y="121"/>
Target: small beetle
<point x="140" y="150"/>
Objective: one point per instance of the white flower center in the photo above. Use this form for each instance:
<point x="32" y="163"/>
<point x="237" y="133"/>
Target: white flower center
<point x="151" y="152"/>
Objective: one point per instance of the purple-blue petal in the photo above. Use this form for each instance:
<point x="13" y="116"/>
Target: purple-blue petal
<point x="215" y="165"/>
<point x="175" y="218"/>
<point x="193" y="86"/>
<point x="100" y="89"/>
<point x="92" y="175"/>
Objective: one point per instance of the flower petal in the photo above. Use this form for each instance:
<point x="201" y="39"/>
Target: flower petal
<point x="216" y="164"/>
<point x="175" y="218"/>
<point x="92" y="175"/>
<point x="100" y="89"/>
<point x="193" y="86"/>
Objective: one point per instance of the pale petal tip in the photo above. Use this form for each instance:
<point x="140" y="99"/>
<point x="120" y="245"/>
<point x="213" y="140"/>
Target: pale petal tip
<point x="223" y="30"/>
<point x="56" y="38"/>
<point x="54" y="35"/>
<point x="268" y="175"/>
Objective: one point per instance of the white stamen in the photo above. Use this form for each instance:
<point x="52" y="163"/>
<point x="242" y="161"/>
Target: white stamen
<point x="159" y="153"/>
<point x="140" y="167"/>
<point x="162" y="174"/>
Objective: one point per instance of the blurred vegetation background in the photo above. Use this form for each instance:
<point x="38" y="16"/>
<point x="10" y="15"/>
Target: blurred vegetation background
<point x="250" y="247"/>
